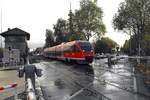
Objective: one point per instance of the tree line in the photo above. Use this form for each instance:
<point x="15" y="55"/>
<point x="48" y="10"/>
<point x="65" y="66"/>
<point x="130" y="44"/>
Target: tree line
<point x="133" y="18"/>
<point x="84" y="23"/>
<point x="81" y="25"/>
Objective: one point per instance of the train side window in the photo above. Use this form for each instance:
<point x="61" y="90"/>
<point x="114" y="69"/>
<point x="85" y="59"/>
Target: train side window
<point x="71" y="49"/>
<point x="76" y="49"/>
<point x="67" y="49"/>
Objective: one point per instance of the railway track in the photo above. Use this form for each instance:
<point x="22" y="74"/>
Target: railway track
<point x="101" y="81"/>
<point x="89" y="91"/>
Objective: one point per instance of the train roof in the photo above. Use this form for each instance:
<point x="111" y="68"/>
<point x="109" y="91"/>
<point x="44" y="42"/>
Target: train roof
<point x="83" y="41"/>
<point x="66" y="43"/>
<point x="73" y="42"/>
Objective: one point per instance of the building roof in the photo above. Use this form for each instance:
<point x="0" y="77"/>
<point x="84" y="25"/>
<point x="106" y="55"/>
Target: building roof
<point x="15" y="32"/>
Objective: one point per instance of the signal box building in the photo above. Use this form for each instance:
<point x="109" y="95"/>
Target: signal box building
<point x="17" y="39"/>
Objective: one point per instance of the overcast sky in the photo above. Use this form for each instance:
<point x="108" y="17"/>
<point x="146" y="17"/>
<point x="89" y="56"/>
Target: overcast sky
<point x="35" y="16"/>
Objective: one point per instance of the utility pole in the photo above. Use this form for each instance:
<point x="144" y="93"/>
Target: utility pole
<point x="70" y="26"/>
<point x="70" y="21"/>
<point x="130" y="42"/>
<point x="139" y="45"/>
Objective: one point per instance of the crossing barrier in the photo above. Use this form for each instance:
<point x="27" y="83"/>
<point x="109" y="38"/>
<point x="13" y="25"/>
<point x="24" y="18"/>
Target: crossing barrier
<point x="8" y="86"/>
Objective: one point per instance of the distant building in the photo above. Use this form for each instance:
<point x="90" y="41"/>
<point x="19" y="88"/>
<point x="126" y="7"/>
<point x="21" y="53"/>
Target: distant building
<point x="17" y="39"/>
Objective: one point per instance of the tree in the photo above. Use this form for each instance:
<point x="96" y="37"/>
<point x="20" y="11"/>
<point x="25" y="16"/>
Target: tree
<point x="126" y="47"/>
<point x="73" y="34"/>
<point x="110" y="42"/>
<point x="105" y="45"/>
<point x="60" y="31"/>
<point x="134" y="16"/>
<point x="101" y="47"/>
<point x="49" y="41"/>
<point x="146" y="44"/>
<point x="38" y="50"/>
<point x="88" y="19"/>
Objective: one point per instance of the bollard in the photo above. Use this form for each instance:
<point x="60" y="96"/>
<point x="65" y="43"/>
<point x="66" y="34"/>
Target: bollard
<point x="109" y="60"/>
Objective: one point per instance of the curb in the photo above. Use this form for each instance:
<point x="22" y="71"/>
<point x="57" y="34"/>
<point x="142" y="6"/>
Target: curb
<point x="10" y="68"/>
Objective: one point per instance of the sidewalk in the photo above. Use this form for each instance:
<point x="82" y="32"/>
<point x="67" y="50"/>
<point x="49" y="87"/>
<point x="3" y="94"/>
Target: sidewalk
<point x="8" y="77"/>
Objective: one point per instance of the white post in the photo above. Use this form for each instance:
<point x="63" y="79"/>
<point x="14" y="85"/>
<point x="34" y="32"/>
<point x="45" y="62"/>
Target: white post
<point x="134" y="81"/>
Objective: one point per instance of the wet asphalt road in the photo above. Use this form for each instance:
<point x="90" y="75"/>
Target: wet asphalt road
<point x="69" y="81"/>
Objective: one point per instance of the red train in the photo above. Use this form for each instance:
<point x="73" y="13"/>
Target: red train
<point x="79" y="51"/>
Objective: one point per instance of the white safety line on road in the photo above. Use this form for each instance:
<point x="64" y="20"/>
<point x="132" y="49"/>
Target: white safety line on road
<point x="80" y="91"/>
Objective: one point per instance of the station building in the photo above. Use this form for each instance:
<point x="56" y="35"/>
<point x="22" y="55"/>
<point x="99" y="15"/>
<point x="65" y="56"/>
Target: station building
<point x="17" y="39"/>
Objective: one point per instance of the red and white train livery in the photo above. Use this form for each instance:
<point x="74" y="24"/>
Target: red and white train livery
<point x="79" y="51"/>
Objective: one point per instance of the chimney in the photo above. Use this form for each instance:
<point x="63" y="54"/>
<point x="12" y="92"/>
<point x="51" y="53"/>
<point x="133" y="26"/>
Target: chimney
<point x="8" y="29"/>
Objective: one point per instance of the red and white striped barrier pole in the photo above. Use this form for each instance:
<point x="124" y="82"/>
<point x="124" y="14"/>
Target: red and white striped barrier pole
<point x="13" y="85"/>
<point x="8" y="86"/>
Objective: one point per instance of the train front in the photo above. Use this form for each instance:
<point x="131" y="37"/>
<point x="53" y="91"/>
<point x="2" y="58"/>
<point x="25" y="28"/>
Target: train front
<point x="87" y="50"/>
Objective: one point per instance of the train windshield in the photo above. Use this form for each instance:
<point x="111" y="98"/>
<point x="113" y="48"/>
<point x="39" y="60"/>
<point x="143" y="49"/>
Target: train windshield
<point x="86" y="46"/>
